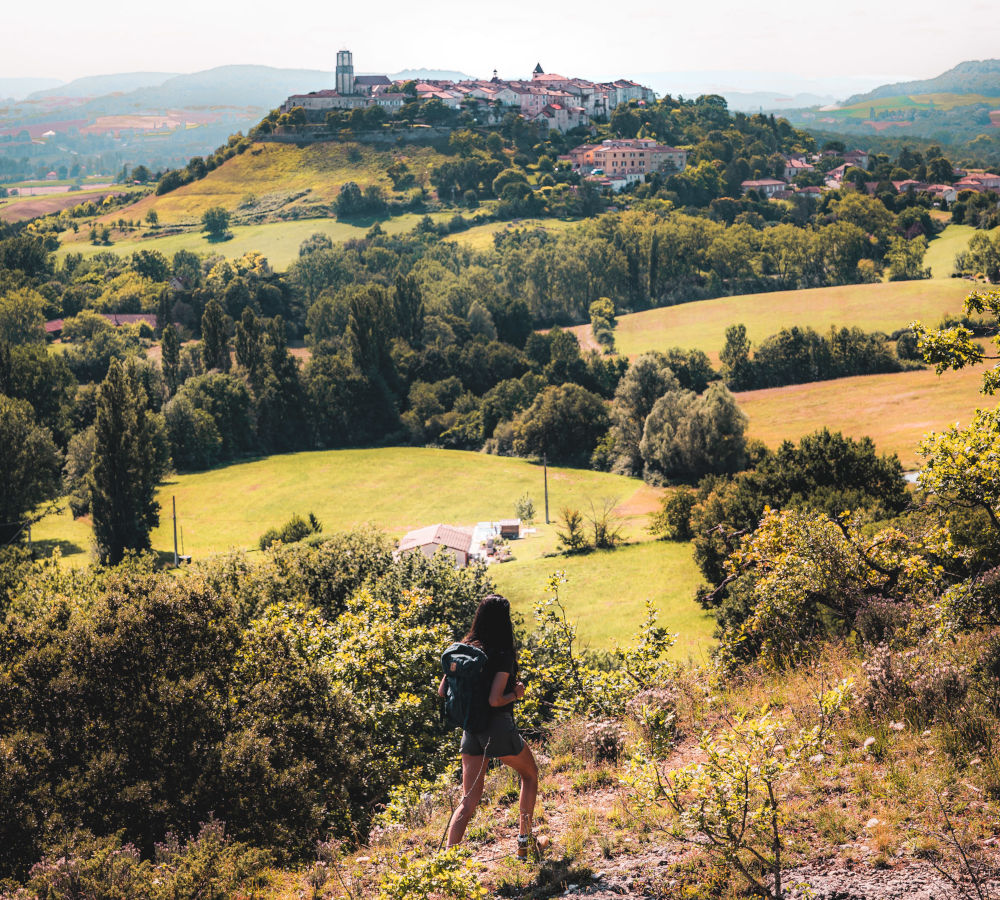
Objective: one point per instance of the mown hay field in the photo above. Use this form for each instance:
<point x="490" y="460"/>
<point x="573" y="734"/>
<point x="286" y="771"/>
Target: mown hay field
<point x="895" y="411"/>
<point x="873" y="307"/>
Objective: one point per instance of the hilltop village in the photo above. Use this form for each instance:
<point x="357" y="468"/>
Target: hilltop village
<point x="556" y="103"/>
<point x="553" y="101"/>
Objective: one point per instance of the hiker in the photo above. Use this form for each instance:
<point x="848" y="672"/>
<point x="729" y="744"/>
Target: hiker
<point x="491" y="732"/>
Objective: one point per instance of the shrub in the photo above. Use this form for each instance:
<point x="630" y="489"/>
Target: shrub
<point x="294" y="530"/>
<point x="882" y="621"/>
<point x="571" y="536"/>
<point x="673" y="520"/>
<point x="524" y="509"/>
<point x="605" y="525"/>
<point x="603" y="740"/>
<point x="206" y="713"/>
<point x="448" y="873"/>
<point x="207" y="865"/>
<point x="732" y="803"/>
<point x="913" y="685"/>
<point x="654" y="711"/>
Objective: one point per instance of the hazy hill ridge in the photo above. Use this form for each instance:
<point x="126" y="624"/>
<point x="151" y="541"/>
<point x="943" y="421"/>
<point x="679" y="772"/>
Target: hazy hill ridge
<point x="977" y="76"/>
<point x="98" y="85"/>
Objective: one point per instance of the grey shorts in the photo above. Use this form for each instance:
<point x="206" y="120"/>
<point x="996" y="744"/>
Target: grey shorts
<point x="499" y="739"/>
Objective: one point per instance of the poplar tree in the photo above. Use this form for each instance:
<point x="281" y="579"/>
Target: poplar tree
<point x="249" y="353"/>
<point x="214" y="339"/>
<point x="129" y="460"/>
<point x="171" y="358"/>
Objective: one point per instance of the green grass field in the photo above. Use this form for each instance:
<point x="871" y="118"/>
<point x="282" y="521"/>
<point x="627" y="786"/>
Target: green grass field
<point x="398" y="489"/>
<point x="895" y="410"/>
<point x="278" y="241"/>
<point x="607" y="607"/>
<point x="702" y="325"/>
<point x="942" y="250"/>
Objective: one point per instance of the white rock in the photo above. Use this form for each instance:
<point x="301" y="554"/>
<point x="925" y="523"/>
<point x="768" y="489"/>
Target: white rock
<point x="897" y="726"/>
<point x="871" y="823"/>
<point x="817" y="759"/>
<point x="869" y="742"/>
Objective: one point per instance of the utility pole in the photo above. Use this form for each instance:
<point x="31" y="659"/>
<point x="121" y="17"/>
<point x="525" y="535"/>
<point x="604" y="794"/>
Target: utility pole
<point x="545" y="470"/>
<point x="174" y="499"/>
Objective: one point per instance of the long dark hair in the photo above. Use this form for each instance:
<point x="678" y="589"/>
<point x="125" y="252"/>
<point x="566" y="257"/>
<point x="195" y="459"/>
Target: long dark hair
<point x="491" y="626"/>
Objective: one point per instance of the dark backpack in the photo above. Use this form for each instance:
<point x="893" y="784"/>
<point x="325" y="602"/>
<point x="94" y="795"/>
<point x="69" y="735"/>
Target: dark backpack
<point x="467" y="689"/>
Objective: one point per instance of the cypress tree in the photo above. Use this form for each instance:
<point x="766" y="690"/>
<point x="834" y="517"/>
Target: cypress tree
<point x="129" y="459"/>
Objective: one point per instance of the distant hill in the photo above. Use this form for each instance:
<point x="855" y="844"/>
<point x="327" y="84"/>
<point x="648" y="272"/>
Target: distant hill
<point x="97" y="85"/>
<point x="435" y="74"/>
<point x="19" y="88"/>
<point x="262" y="87"/>
<point x="979" y="76"/>
<point x="257" y="87"/>
<point x="768" y="101"/>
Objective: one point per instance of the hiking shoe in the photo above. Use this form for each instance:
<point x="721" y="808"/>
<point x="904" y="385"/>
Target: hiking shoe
<point x="527" y="848"/>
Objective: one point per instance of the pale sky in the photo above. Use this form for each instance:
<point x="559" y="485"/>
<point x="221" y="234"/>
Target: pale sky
<point x="873" y="40"/>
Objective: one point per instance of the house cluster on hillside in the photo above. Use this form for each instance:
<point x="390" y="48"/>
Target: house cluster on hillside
<point x="980" y="182"/>
<point x="551" y="100"/>
<point x="783" y="188"/>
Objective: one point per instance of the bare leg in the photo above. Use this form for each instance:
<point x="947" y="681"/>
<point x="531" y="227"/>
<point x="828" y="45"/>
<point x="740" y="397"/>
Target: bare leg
<point x="473" y="775"/>
<point x="525" y="766"/>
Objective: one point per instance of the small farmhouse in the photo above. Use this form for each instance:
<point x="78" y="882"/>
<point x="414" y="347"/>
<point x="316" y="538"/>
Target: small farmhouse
<point x="430" y="539"/>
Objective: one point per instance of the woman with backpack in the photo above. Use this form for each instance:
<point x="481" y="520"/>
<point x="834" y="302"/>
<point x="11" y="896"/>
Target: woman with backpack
<point x="496" y="735"/>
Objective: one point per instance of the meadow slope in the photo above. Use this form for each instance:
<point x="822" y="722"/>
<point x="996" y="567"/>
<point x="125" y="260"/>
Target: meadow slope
<point x="400" y="488"/>
<point x="895" y="410"/>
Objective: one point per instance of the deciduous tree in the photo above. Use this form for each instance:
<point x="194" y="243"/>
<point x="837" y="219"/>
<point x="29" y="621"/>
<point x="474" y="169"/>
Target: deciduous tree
<point x="30" y="465"/>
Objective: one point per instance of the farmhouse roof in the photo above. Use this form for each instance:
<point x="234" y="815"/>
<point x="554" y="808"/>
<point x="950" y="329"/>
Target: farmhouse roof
<point x="444" y="535"/>
<point x="760" y="182"/>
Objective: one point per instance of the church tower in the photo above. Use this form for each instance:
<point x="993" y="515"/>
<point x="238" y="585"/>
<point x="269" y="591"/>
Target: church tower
<point x="345" y="72"/>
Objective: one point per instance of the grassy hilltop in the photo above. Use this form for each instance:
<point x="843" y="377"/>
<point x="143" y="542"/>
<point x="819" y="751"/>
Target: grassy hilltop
<point x="296" y="180"/>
